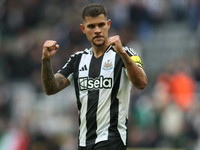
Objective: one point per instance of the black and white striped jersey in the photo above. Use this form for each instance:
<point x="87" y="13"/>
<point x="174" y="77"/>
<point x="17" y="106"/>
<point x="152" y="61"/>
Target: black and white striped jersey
<point x="103" y="92"/>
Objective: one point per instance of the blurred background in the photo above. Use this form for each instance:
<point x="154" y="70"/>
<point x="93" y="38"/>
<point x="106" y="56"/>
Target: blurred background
<point x="165" y="33"/>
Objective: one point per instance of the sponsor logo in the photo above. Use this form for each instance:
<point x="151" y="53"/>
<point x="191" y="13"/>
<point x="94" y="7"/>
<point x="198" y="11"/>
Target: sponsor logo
<point x="108" y="65"/>
<point x="86" y="83"/>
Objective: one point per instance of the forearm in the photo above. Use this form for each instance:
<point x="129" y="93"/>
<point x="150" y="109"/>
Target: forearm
<point x="136" y="74"/>
<point x="48" y="79"/>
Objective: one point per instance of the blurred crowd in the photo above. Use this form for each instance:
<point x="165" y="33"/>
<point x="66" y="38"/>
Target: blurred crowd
<point x="165" y="114"/>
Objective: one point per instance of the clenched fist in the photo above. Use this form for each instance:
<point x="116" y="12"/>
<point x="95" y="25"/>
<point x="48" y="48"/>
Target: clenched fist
<point x="116" y="42"/>
<point x="49" y="49"/>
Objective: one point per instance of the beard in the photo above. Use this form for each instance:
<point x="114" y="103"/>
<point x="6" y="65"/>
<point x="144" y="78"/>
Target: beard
<point x="99" y="44"/>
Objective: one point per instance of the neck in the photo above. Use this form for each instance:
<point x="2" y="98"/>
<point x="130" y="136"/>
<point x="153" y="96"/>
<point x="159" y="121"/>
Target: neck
<point x="98" y="51"/>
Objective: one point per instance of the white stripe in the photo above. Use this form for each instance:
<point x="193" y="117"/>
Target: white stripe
<point x="108" y="48"/>
<point x="87" y="50"/>
<point x="85" y="60"/>
<point x="130" y="50"/>
<point x="83" y="129"/>
<point x="103" y="110"/>
<point x="124" y="99"/>
<point x="71" y="78"/>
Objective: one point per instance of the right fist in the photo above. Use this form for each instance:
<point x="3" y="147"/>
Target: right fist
<point x="49" y="49"/>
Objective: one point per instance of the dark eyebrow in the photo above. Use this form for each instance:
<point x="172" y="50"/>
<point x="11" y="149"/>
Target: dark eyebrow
<point x="90" y="25"/>
<point x="102" y="23"/>
<point x="98" y="24"/>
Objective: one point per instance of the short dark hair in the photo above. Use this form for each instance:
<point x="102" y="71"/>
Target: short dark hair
<point x="93" y="10"/>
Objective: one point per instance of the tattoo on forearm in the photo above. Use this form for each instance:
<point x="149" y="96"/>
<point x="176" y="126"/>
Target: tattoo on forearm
<point x="52" y="83"/>
<point x="61" y="82"/>
<point x="47" y="73"/>
<point x="126" y="59"/>
<point x="48" y="76"/>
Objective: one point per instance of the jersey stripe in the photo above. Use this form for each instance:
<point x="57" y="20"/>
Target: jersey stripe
<point x="93" y="97"/>
<point x="83" y="98"/>
<point x="114" y="107"/>
<point x="123" y="106"/>
<point x="103" y="113"/>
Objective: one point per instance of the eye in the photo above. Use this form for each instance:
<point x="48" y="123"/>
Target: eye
<point x="101" y="24"/>
<point x="91" y="26"/>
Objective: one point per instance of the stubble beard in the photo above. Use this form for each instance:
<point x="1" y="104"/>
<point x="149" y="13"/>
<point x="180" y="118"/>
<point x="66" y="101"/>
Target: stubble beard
<point x="100" y="44"/>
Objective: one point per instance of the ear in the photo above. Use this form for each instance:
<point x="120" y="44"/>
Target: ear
<point x="109" y="23"/>
<point x="82" y="28"/>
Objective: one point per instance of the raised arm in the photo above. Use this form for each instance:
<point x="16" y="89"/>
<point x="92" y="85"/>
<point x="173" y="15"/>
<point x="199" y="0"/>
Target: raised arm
<point x="136" y="74"/>
<point x="51" y="83"/>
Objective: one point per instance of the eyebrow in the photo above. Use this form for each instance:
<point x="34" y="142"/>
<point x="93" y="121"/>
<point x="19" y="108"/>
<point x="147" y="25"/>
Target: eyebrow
<point x="101" y="23"/>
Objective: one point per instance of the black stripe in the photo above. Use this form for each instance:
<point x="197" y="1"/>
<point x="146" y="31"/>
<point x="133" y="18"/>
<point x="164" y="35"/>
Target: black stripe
<point x="113" y="132"/>
<point x="93" y="97"/>
<point x="126" y="131"/>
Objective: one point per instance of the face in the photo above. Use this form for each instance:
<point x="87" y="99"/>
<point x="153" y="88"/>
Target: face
<point x="96" y="29"/>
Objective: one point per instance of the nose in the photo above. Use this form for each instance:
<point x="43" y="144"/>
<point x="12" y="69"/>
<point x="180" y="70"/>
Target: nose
<point x="97" y="30"/>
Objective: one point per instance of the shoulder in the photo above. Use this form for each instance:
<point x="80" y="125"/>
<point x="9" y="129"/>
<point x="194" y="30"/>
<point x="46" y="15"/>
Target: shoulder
<point x="129" y="51"/>
<point x="79" y="53"/>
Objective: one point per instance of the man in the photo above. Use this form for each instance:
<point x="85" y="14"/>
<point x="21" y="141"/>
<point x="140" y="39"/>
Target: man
<point x="103" y="76"/>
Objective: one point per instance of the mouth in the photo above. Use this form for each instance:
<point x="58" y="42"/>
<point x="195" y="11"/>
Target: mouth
<point x="97" y="37"/>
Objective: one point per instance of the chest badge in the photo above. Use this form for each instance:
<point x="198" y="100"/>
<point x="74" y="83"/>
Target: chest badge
<point x="107" y="65"/>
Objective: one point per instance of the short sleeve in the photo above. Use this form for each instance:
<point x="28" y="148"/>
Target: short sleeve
<point x="68" y="69"/>
<point x="134" y="56"/>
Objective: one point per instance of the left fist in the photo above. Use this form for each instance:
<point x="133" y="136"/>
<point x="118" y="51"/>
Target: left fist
<point x="116" y="43"/>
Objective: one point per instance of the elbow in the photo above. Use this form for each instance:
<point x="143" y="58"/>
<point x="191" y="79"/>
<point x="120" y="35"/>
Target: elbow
<point x="142" y="85"/>
<point x="49" y="92"/>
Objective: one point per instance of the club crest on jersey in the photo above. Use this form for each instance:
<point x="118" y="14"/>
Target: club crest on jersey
<point x="86" y="83"/>
<point x="108" y="65"/>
